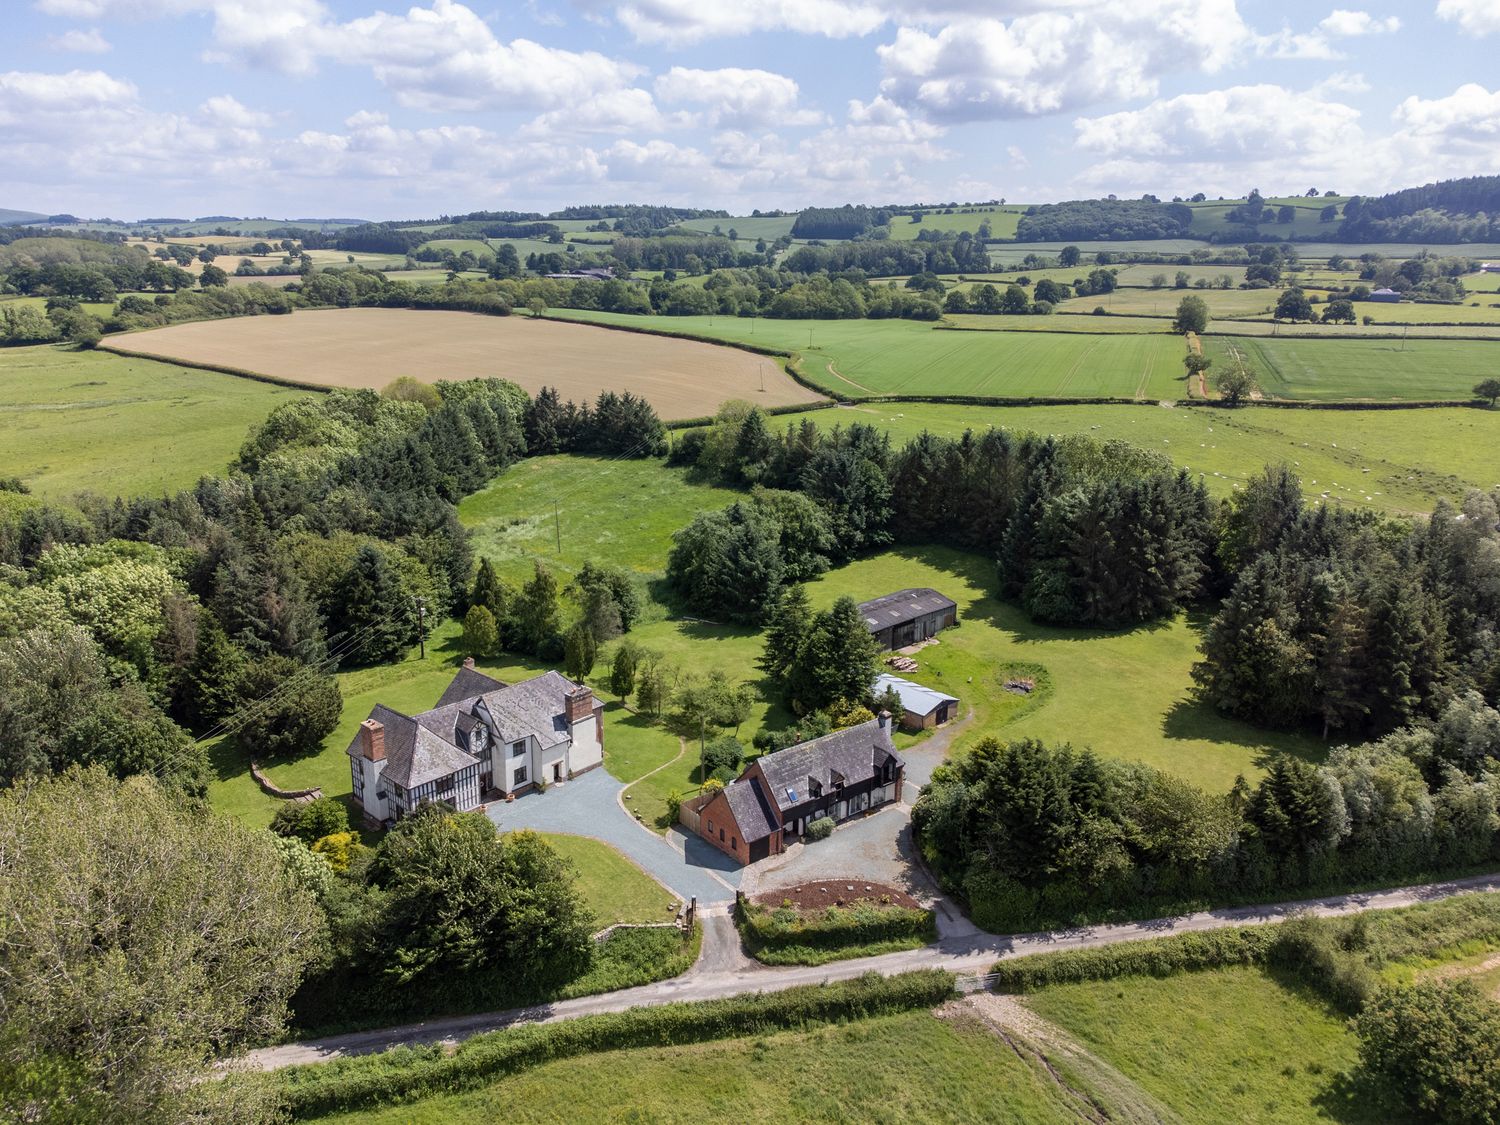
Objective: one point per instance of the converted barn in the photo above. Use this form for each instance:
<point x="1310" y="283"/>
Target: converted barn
<point x="773" y="801"/>
<point x="908" y="616"/>
<point x="922" y="708"/>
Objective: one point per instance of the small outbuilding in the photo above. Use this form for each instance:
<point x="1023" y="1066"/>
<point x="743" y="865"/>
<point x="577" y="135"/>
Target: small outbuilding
<point x="1390" y="296"/>
<point x="908" y="616"/>
<point x="922" y="708"/>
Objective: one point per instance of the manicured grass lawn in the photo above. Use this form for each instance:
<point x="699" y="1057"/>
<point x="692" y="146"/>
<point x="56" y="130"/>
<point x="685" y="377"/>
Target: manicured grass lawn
<point x="1414" y="456"/>
<point x="75" y="421"/>
<point x="1223" y="1045"/>
<point x="615" y="889"/>
<point x="892" y="1069"/>
<point x="1331" y="370"/>
<point x="620" y="512"/>
<point x="872" y="357"/>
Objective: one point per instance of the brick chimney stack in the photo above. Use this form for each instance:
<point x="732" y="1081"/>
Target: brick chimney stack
<point x="372" y="740"/>
<point x="580" y="704"/>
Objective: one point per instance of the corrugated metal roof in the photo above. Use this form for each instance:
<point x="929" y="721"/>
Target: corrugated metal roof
<point x="903" y="606"/>
<point x="915" y="698"/>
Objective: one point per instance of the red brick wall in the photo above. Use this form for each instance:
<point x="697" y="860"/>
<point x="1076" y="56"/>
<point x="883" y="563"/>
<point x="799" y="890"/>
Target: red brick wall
<point x="718" y="814"/>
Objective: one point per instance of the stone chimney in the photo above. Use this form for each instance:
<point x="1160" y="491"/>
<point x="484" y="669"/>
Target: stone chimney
<point x="372" y="740"/>
<point x="884" y="719"/>
<point x="469" y="662"/>
<point x="580" y="704"/>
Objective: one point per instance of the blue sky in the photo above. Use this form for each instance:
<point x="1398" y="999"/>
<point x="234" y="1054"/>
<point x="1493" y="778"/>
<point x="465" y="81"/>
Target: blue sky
<point x="300" y="108"/>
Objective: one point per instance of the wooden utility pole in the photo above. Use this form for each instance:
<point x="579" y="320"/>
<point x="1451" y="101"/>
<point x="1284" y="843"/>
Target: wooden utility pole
<point x="422" y="626"/>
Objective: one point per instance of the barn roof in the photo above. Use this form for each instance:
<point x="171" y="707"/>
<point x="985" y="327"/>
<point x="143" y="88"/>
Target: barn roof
<point x="903" y="606"/>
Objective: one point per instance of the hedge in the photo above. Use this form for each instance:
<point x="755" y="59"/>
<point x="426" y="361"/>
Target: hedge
<point x="859" y="923"/>
<point x="1154" y="957"/>
<point x="405" y="1074"/>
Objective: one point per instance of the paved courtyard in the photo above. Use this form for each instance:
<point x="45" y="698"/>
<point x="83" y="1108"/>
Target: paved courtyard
<point x="587" y="806"/>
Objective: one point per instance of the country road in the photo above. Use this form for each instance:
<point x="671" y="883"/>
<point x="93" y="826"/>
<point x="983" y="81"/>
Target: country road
<point x="723" y="971"/>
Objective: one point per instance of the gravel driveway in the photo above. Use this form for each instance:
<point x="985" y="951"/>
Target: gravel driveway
<point x="587" y="806"/>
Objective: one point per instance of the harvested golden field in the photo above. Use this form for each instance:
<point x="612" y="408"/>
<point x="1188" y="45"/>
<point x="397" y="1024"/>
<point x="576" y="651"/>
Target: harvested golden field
<point x="370" y="347"/>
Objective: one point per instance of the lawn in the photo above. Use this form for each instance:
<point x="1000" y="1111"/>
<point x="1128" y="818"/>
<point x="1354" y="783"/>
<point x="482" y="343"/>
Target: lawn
<point x="892" y="1069"/>
<point x="1413" y="457"/>
<point x="1332" y="370"/>
<point x="1222" y="1045"/>
<point x="75" y="421"/>
<point x="1127" y="694"/>
<point x="860" y="358"/>
<point x="620" y="512"/>
<point x="614" y="888"/>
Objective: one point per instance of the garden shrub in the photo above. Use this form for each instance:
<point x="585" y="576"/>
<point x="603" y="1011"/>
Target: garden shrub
<point x="1155" y="957"/>
<point x="851" y="927"/>
<point x="820" y="829"/>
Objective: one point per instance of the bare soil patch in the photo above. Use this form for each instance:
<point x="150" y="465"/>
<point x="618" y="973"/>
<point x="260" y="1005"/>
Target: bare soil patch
<point x="370" y="347"/>
<point x="836" y="892"/>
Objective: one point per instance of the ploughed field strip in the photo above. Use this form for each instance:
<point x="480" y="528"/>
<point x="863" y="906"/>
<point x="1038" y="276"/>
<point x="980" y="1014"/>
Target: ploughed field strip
<point x="371" y="347"/>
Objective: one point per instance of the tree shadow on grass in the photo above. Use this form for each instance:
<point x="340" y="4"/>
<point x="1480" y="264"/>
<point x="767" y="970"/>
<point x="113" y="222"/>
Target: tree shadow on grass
<point x="1195" y="720"/>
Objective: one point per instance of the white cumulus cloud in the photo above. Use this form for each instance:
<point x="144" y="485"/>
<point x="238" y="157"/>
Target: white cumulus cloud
<point x="1477" y="17"/>
<point x="83" y="41"/>
<point x="736" y="97"/>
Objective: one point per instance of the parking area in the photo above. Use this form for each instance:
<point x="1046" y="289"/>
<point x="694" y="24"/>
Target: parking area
<point x="875" y="849"/>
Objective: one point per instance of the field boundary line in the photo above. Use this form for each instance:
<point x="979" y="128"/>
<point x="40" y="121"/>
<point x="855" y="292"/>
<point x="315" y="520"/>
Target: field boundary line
<point x="221" y="368"/>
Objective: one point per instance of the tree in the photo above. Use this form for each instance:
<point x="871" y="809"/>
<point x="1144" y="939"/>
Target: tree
<point x="481" y="634"/>
<point x="1192" y="316"/>
<point x="537" y="613"/>
<point x="1338" y="311"/>
<point x="370" y="614"/>
<point x="580" y="650"/>
<point x="838" y="661"/>
<point x="312" y="821"/>
<point x="489" y="591"/>
<point x="212" y="277"/>
<point x="536" y="306"/>
<point x="1488" y="389"/>
<point x="1182" y="280"/>
<point x="728" y="564"/>
<point x="1293" y="305"/>
<point x="142" y="940"/>
<point x="722" y="758"/>
<point x="1235" y="385"/>
<point x="1068" y="257"/>
<point x="404" y="388"/>
<point x="285" y="709"/>
<point x="622" y="670"/>
<point x="787" y="628"/>
<point x="1433" y="1046"/>
<point x="459" y="899"/>
<point x="651" y="688"/>
<point x="1195" y="364"/>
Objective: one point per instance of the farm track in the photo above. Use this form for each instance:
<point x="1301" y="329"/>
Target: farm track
<point x="973" y="954"/>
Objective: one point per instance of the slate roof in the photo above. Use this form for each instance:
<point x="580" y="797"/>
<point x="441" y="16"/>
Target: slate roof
<point x="467" y="685"/>
<point x="915" y="698"/>
<point x="903" y="606"/>
<point x="422" y="748"/>
<point x="752" y="811"/>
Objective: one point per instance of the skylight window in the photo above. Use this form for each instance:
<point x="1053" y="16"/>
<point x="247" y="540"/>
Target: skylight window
<point x="791" y="795"/>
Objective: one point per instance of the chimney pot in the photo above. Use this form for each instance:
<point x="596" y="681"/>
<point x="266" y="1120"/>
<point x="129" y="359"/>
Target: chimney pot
<point x="884" y="718"/>
<point x="372" y="740"/>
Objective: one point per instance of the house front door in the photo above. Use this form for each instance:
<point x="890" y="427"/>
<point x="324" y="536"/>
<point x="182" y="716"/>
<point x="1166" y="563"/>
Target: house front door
<point x="557" y="774"/>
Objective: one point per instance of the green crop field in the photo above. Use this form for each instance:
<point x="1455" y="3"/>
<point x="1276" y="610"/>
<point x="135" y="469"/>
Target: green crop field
<point x="889" y="1070"/>
<point x="1211" y="218"/>
<point x="1331" y="370"/>
<point x="1164" y="301"/>
<point x="475" y="246"/>
<point x="1481" y="309"/>
<point x="91" y="421"/>
<point x="1390" y="460"/>
<point x="1223" y="1045"/>
<point x="615" y="889"/>
<point x="746" y="226"/>
<point x="874" y="357"/>
<point x="1067" y="322"/>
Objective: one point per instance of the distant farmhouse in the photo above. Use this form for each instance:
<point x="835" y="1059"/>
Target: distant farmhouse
<point x="1387" y="295"/>
<point x="922" y="708"/>
<point x="908" y="616"/>
<point x="838" y="776"/>
<point x="483" y="737"/>
<point x="591" y="274"/>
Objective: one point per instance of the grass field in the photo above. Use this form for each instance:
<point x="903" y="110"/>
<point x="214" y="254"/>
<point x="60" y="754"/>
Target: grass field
<point x="1100" y="325"/>
<point x="1002" y="221"/>
<point x="1164" y="302"/>
<point x="614" y="888"/>
<point x="1223" y="1045"/>
<point x="891" y="1070"/>
<point x="1333" y="370"/>
<point x="620" y="512"/>
<point x="370" y="347"/>
<point x="873" y="357"/>
<point x="74" y="421"/>
<point x="1413" y="457"/>
<point x="746" y="226"/>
